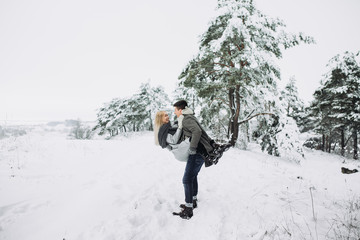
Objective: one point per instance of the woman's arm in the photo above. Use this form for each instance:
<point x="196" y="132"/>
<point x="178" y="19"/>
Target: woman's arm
<point x="173" y="139"/>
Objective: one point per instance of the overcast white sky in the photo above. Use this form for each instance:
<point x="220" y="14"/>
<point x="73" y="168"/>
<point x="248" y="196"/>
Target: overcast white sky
<point x="63" y="59"/>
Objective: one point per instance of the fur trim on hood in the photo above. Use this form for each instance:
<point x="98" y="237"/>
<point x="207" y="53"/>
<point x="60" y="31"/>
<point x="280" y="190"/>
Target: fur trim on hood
<point x="187" y="111"/>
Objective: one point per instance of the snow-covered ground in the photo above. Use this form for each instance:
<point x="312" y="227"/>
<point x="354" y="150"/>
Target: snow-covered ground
<point x="52" y="187"/>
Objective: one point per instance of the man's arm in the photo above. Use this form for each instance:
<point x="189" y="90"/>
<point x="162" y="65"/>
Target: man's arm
<point x="192" y="126"/>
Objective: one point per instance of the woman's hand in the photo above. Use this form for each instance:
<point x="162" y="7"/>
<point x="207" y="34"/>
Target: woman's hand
<point x="180" y="119"/>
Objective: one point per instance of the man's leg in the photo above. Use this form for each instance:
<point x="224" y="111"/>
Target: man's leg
<point x="198" y="164"/>
<point x="195" y="187"/>
<point x="192" y="169"/>
<point x="188" y="180"/>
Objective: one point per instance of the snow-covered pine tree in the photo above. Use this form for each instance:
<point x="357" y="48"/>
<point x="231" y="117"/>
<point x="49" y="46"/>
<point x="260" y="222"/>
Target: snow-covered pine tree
<point x="280" y="134"/>
<point x="135" y="113"/>
<point x="321" y="111"/>
<point x="112" y="117"/>
<point x="146" y="103"/>
<point x="235" y="60"/>
<point x="306" y="121"/>
<point x="294" y="105"/>
<point x="342" y="84"/>
<point x="335" y="108"/>
<point x="188" y="94"/>
<point x="288" y="138"/>
<point x="335" y="89"/>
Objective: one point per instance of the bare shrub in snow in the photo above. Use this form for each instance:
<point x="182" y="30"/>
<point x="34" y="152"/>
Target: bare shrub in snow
<point x="79" y="131"/>
<point x="347" y="225"/>
<point x="313" y="143"/>
<point x="2" y="133"/>
<point x="11" y="131"/>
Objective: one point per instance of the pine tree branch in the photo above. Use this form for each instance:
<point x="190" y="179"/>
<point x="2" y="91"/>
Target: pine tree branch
<point x="240" y="48"/>
<point x="346" y="142"/>
<point x="221" y="64"/>
<point x="258" y="114"/>
<point x="214" y="71"/>
<point x="250" y="113"/>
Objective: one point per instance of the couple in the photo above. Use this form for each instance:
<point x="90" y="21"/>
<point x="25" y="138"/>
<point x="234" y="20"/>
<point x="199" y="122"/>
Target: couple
<point x="189" y="142"/>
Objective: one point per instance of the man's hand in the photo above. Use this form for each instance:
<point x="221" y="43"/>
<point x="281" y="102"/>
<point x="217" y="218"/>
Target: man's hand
<point x="192" y="151"/>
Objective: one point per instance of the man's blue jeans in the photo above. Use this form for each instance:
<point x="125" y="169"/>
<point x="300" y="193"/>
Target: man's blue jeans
<point x="190" y="182"/>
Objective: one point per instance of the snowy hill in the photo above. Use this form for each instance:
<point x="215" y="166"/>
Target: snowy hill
<point x="126" y="188"/>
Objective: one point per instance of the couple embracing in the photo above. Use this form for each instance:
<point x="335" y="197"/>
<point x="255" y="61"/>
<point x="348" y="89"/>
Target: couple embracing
<point x="189" y="142"/>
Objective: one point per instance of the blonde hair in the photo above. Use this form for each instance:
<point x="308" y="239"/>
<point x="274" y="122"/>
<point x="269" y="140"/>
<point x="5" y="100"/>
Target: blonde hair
<point x="157" y="124"/>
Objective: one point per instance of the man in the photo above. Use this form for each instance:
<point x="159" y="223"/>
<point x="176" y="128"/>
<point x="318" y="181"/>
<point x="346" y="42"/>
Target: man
<point x="200" y="144"/>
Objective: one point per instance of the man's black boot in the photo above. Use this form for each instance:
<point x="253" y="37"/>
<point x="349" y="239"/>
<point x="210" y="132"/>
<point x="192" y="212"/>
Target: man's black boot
<point x="208" y="161"/>
<point x="220" y="150"/>
<point x="186" y="213"/>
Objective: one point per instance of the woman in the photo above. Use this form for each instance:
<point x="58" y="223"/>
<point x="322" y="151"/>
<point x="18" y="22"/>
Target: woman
<point x="169" y="136"/>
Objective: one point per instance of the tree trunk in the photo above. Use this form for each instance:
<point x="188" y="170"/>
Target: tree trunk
<point x="342" y="142"/>
<point x="229" y="127"/>
<point x="151" y="125"/>
<point x="237" y="113"/>
<point x="323" y="143"/>
<point x="356" y="156"/>
<point x="247" y="132"/>
<point x="232" y="115"/>
<point x="234" y="100"/>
